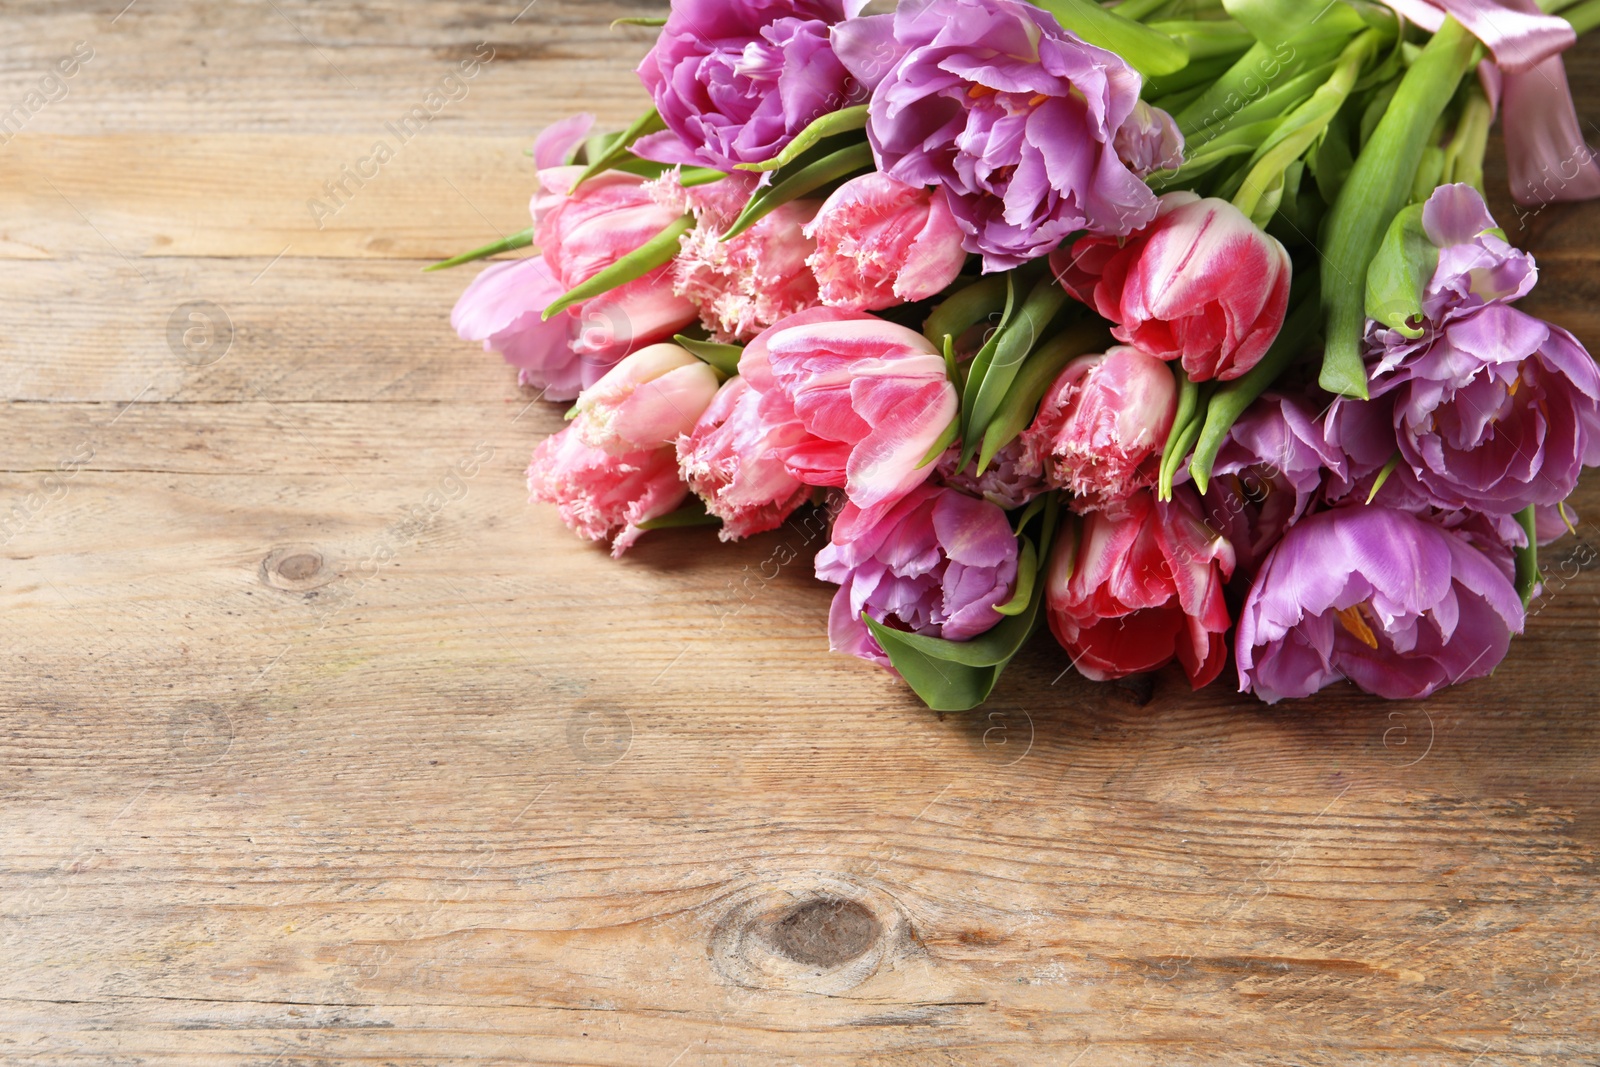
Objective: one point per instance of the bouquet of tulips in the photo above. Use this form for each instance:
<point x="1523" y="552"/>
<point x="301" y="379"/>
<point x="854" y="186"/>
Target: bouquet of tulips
<point x="1176" y="325"/>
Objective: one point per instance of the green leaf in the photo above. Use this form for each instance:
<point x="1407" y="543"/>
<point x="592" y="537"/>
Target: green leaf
<point x="1016" y="340"/>
<point x="1151" y="53"/>
<point x="1176" y="446"/>
<point x="1378" y="187"/>
<point x="1400" y="273"/>
<point x="1040" y="371"/>
<point x="724" y="359"/>
<point x="980" y="367"/>
<point x="1276" y="21"/>
<point x="966" y="308"/>
<point x="639" y="21"/>
<point x="649" y="122"/>
<point x="509" y="244"/>
<point x="958" y="676"/>
<point x="1384" y="475"/>
<point x="942" y="445"/>
<point x="1027" y="576"/>
<point x="656" y="252"/>
<point x="846" y="121"/>
<point x="803" y="182"/>
<point x="693" y="513"/>
<point x="1209" y="39"/>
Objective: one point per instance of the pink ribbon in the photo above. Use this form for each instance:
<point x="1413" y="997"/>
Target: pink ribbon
<point x="1548" y="158"/>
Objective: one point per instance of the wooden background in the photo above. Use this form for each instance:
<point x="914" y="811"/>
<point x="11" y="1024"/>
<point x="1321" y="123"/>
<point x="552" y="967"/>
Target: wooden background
<point x="318" y="745"/>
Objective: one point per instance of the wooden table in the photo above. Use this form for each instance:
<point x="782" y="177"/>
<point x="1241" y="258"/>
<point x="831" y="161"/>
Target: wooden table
<point x="319" y="745"/>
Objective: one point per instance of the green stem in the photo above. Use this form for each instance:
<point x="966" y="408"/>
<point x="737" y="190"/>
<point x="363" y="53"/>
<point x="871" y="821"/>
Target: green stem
<point x="1465" y="153"/>
<point x="1528" y="557"/>
<point x="1584" y="17"/>
<point x="965" y="309"/>
<point x="1378" y="187"/>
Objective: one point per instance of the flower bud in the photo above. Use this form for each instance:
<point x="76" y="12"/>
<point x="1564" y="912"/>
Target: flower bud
<point x="646" y="401"/>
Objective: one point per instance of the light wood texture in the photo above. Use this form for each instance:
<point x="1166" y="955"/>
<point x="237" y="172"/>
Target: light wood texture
<point x="318" y="745"/>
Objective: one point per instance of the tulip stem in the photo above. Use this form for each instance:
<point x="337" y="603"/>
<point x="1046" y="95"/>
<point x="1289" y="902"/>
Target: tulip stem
<point x="1463" y="159"/>
<point x="649" y="122"/>
<point x="965" y="309"/>
<point x="1528" y="576"/>
<point x="1379" y="185"/>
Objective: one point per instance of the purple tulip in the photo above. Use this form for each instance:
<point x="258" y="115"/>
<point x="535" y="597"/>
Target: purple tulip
<point x="1266" y="477"/>
<point x="938" y="564"/>
<point x="1380" y="597"/>
<point x="1015" y="117"/>
<point x="736" y="80"/>
<point x="1498" y="412"/>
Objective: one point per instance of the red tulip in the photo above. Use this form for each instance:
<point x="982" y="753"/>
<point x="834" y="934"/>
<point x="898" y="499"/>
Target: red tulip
<point x="1132" y="591"/>
<point x="1202" y="284"/>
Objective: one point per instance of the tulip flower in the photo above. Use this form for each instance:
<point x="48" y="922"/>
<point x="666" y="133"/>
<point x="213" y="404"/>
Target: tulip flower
<point x="882" y="243"/>
<point x="872" y="401"/>
<point x="741" y="286"/>
<point x="599" y="492"/>
<point x="1101" y="427"/>
<point x="731" y="459"/>
<point x="1396" y="605"/>
<point x="1008" y="481"/>
<point x="1013" y="116"/>
<point x="1132" y="591"/>
<point x="1266" y="477"/>
<point x="937" y="563"/>
<point x="1497" y="412"/>
<point x="1149" y="141"/>
<point x="504" y="308"/>
<point x="646" y="401"/>
<point x="736" y="80"/>
<point x="1201" y="284"/>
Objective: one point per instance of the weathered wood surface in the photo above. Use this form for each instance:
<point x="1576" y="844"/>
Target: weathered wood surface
<point x="319" y="746"/>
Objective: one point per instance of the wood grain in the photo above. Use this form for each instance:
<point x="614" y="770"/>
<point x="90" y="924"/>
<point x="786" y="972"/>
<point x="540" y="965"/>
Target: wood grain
<point x="318" y="745"/>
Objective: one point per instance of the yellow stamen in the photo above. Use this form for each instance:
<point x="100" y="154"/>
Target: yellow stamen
<point x="1356" y="626"/>
<point x="1036" y="101"/>
<point x="978" y="92"/>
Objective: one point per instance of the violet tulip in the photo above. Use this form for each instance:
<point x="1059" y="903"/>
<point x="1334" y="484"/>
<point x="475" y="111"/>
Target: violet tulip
<point x="1398" y="606"/>
<point x="882" y="243"/>
<point x="1132" y="591"/>
<point x="1267" y="475"/>
<point x="1201" y="284"/>
<point x="731" y="459"/>
<point x="1101" y="428"/>
<point x="938" y="563"/>
<point x="600" y="493"/>
<point x="1009" y="480"/>
<point x="1497" y="412"/>
<point x="648" y="400"/>
<point x="872" y="400"/>
<point x="1013" y="116"/>
<point x="736" y="80"/>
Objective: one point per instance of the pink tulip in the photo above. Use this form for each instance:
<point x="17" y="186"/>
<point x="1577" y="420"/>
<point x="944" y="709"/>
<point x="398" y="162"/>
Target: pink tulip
<point x="1549" y="160"/>
<point x="938" y="563"/>
<point x="731" y="460"/>
<point x="646" y="401"/>
<point x="1130" y="593"/>
<point x="599" y="493"/>
<point x="1202" y="284"/>
<point x="882" y="243"/>
<point x="1102" y="427"/>
<point x="871" y="399"/>
<point x="582" y="233"/>
<point x="744" y="285"/>
<point x="503" y="308"/>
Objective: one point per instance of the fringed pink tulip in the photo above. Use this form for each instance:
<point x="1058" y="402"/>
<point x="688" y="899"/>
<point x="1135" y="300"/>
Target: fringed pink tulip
<point x="1201" y="284"/>
<point x="873" y="401"/>
<point x="1131" y="592"/>
<point x="882" y="243"/>
<point x="599" y="493"/>
<point x="648" y="400"/>
<point x="731" y="459"/>
<point x="742" y="286"/>
<point x="938" y="563"/>
<point x="1102" y="426"/>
